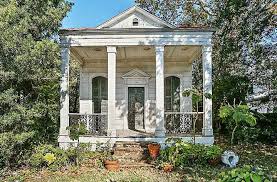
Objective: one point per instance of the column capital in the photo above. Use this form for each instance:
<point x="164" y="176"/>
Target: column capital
<point x="207" y="48"/>
<point x="159" y="48"/>
<point x="111" y="49"/>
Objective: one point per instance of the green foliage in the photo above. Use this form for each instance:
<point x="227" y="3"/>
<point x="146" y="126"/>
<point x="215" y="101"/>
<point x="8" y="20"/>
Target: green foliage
<point x="182" y="154"/>
<point x="76" y="130"/>
<point x="228" y="88"/>
<point x="29" y="75"/>
<point x="195" y="94"/>
<point x="213" y="152"/>
<point x="14" y="147"/>
<point x="238" y="114"/>
<point x="264" y="131"/>
<point x="246" y="173"/>
<point x="49" y="156"/>
<point x="235" y="116"/>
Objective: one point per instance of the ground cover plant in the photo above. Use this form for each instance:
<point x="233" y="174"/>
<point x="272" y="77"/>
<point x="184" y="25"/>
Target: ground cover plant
<point x="259" y="156"/>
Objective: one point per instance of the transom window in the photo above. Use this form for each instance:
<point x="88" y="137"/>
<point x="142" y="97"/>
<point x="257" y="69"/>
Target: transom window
<point x="135" y="22"/>
<point x="172" y="94"/>
<point x="99" y="92"/>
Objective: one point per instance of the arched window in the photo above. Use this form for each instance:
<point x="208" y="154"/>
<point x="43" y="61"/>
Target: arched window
<point x="99" y="92"/>
<point x="172" y="94"/>
<point x="135" y="22"/>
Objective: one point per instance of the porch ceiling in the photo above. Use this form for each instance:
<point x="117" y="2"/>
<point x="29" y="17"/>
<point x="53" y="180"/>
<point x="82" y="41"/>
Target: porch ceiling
<point x="172" y="53"/>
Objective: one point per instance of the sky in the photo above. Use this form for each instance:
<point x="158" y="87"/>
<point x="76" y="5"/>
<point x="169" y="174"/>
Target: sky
<point x="90" y="13"/>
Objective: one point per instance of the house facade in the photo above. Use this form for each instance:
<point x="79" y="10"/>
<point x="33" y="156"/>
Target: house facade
<point x="134" y="68"/>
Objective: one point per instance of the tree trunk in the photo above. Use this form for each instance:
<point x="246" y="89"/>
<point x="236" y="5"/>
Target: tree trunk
<point x="194" y="123"/>
<point x="233" y="134"/>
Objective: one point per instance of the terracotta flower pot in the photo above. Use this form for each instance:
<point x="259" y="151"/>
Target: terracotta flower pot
<point x="154" y="150"/>
<point x="111" y="165"/>
<point x="214" y="162"/>
<point x="168" y="168"/>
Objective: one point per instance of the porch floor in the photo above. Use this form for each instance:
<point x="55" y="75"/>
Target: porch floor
<point x="133" y="133"/>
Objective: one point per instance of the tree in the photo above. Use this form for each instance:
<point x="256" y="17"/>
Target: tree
<point x="29" y="75"/>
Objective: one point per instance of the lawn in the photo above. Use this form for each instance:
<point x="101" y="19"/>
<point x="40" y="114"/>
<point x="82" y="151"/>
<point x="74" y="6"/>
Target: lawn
<point x="262" y="156"/>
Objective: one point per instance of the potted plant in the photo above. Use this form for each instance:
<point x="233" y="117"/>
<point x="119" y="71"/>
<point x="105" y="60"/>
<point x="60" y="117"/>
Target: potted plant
<point x="111" y="164"/>
<point x="167" y="167"/>
<point x="154" y="150"/>
<point x="213" y="154"/>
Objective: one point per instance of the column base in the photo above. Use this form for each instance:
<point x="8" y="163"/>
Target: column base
<point x="160" y="133"/>
<point x="207" y="132"/>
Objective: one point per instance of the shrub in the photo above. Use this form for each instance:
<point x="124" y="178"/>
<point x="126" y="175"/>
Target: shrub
<point x="14" y="149"/>
<point x="246" y="173"/>
<point x="213" y="152"/>
<point x="49" y="156"/>
<point x="264" y="131"/>
<point x="181" y="154"/>
<point x="236" y="116"/>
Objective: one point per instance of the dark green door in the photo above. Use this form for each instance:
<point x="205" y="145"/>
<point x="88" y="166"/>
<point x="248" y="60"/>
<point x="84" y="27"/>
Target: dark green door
<point x="136" y="108"/>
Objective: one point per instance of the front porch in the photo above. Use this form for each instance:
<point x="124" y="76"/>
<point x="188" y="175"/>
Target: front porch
<point x="134" y="93"/>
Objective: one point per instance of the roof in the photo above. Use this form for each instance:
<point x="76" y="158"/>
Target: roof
<point x="131" y="10"/>
<point x="158" y="25"/>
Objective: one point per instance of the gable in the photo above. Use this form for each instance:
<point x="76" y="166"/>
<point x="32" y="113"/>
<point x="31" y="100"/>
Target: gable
<point x="135" y="17"/>
<point x="136" y="73"/>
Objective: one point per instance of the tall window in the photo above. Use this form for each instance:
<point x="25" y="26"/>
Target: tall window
<point x="99" y="92"/>
<point x="172" y="94"/>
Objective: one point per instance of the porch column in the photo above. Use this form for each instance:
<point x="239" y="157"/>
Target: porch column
<point x="160" y="122"/>
<point x="207" y="88"/>
<point x="64" y="93"/>
<point x="111" y="50"/>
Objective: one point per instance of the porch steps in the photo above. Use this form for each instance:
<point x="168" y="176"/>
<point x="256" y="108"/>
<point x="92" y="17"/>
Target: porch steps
<point x="131" y="154"/>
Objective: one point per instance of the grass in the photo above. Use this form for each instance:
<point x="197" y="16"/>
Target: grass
<point x="263" y="156"/>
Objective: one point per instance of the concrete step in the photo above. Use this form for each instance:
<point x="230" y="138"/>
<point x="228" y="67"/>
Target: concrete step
<point x="127" y="144"/>
<point x="129" y="149"/>
<point x="131" y="154"/>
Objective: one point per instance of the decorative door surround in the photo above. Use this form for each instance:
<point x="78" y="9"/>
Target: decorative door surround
<point x="136" y="78"/>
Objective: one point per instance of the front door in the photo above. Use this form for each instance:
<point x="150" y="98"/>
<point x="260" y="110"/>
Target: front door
<point x="136" y="108"/>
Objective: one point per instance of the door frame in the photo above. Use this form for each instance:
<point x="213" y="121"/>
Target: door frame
<point x="136" y="78"/>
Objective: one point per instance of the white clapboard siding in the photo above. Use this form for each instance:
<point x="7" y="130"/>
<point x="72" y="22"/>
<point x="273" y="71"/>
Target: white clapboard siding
<point x="93" y="68"/>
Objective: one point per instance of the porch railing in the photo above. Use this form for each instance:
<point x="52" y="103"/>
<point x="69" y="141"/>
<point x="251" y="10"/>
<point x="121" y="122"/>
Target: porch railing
<point x="183" y="122"/>
<point x="96" y="123"/>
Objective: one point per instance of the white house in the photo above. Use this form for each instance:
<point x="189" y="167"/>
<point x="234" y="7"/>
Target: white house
<point x="134" y="68"/>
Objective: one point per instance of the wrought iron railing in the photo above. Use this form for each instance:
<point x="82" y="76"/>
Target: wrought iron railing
<point x="183" y="122"/>
<point x="96" y="124"/>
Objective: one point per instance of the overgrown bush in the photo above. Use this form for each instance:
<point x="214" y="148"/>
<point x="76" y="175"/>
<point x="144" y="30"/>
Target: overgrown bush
<point x="264" y="131"/>
<point x="14" y="148"/>
<point x="49" y="156"/>
<point x="246" y="173"/>
<point x="181" y="154"/>
<point x="54" y="158"/>
<point x="236" y="116"/>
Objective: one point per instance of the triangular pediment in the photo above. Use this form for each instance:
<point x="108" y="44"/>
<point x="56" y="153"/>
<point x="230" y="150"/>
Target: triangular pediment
<point x="143" y="18"/>
<point x="136" y="73"/>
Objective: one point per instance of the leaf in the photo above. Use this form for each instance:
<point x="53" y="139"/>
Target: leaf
<point x="225" y="111"/>
<point x="255" y="177"/>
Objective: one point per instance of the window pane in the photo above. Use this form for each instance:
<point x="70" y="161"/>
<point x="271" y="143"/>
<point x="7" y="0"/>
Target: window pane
<point x="172" y="94"/>
<point x="99" y="92"/>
